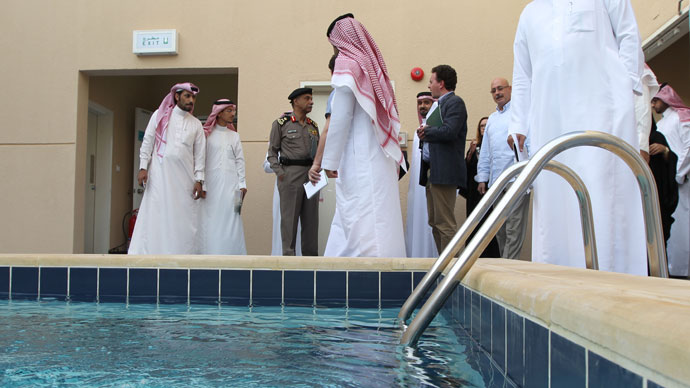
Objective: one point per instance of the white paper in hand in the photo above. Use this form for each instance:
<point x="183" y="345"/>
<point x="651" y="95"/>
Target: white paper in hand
<point x="311" y="189"/>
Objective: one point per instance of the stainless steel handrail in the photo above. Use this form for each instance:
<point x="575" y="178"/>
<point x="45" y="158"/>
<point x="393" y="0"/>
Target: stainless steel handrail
<point x="650" y="203"/>
<point x="494" y="192"/>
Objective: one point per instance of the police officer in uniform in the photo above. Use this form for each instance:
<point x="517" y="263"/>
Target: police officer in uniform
<point x="292" y="146"/>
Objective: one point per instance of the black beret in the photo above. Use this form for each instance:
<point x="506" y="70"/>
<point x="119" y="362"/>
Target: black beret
<point x="298" y="92"/>
<point x="330" y="28"/>
<point x="423" y="94"/>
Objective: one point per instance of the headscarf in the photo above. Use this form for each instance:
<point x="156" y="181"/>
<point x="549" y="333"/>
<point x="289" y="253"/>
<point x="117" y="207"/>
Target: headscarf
<point x="218" y="106"/>
<point x="423" y="96"/>
<point x="360" y="67"/>
<point x="672" y="99"/>
<point x="164" y="112"/>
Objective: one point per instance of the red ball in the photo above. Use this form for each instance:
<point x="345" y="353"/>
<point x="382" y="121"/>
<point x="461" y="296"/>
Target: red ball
<point x="417" y="74"/>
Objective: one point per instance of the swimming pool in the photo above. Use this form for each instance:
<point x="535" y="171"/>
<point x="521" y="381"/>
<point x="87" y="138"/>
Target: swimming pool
<point x="52" y="343"/>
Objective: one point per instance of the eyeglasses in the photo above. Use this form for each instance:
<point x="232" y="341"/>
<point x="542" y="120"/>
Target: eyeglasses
<point x="498" y="89"/>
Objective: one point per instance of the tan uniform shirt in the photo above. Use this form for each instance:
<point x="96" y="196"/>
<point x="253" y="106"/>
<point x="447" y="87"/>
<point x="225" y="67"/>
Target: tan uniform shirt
<point x="292" y="140"/>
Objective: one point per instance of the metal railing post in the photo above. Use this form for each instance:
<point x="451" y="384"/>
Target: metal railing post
<point x="650" y="201"/>
<point x="482" y="208"/>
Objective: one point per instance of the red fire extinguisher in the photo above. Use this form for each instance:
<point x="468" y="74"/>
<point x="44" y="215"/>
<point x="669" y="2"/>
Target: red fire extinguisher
<point x="132" y="222"/>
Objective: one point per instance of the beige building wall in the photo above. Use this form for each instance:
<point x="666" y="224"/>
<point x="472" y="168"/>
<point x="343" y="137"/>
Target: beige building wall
<point x="58" y="55"/>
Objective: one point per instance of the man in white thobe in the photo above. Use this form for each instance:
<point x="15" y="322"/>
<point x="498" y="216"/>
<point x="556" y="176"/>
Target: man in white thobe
<point x="496" y="156"/>
<point x="675" y="126"/>
<point x="576" y="66"/>
<point x="362" y="148"/>
<point x="172" y="159"/>
<point x="418" y="237"/>
<point x="222" y="231"/>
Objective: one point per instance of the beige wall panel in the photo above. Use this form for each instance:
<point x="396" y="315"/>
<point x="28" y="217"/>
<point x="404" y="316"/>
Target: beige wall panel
<point x="39" y="72"/>
<point x="37" y="203"/>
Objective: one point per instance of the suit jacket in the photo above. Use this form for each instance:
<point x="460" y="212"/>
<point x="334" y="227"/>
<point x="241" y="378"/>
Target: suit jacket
<point x="447" y="145"/>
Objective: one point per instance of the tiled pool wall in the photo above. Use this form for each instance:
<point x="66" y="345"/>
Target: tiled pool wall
<point x="240" y="287"/>
<point x="530" y="354"/>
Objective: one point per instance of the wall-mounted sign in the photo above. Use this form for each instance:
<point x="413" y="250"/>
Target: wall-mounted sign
<point x="154" y="42"/>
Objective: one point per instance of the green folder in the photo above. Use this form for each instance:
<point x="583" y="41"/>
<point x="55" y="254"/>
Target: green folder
<point x="434" y="119"/>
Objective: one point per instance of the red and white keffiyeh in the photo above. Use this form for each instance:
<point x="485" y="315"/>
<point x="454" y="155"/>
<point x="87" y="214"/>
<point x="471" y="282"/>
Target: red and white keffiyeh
<point x="360" y="67"/>
<point x="218" y="106"/>
<point x="164" y="112"/>
<point x="672" y="99"/>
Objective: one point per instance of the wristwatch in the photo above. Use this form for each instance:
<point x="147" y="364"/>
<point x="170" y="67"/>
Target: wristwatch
<point x="200" y="181"/>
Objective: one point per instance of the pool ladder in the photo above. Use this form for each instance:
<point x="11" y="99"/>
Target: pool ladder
<point x="526" y="173"/>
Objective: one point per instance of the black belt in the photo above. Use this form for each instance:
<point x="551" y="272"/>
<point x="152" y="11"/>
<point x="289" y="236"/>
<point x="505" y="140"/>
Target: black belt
<point x="296" y="162"/>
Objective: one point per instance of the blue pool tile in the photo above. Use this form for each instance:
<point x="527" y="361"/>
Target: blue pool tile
<point x="396" y="287"/>
<point x="417" y="277"/>
<point x="83" y="284"/>
<point x="363" y="289"/>
<point x="491" y="376"/>
<point x="142" y="285"/>
<point x="234" y="287"/>
<point x="299" y="288"/>
<point x="498" y="337"/>
<point x="515" y="347"/>
<point x="112" y="285"/>
<point x="172" y="286"/>
<point x="4" y="282"/>
<point x="54" y="283"/>
<point x="651" y="384"/>
<point x="485" y="324"/>
<point x="467" y="319"/>
<point x="567" y="363"/>
<point x="455" y="308"/>
<point x="267" y="288"/>
<point x="461" y="305"/>
<point x="604" y="373"/>
<point x="536" y="355"/>
<point x="203" y="286"/>
<point x="24" y="283"/>
<point x="476" y="314"/>
<point x="330" y="288"/>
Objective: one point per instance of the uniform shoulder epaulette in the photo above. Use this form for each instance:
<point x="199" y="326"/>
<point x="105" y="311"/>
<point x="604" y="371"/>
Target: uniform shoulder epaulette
<point x="312" y="122"/>
<point x="284" y="119"/>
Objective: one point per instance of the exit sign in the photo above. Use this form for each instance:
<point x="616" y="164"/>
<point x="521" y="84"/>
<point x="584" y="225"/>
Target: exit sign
<point x="154" y="42"/>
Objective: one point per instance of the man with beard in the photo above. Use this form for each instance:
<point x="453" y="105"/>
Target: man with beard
<point x="172" y="161"/>
<point x="293" y="142"/>
<point x="418" y="237"/>
<point x="496" y="157"/>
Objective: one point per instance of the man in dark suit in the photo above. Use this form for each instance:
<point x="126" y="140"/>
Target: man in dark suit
<point x="443" y="168"/>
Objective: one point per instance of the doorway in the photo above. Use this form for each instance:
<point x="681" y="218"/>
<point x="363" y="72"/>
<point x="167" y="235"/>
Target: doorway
<point x="99" y="156"/>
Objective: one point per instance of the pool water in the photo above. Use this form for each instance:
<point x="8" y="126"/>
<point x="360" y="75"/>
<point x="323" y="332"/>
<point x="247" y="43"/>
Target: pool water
<point x="54" y="343"/>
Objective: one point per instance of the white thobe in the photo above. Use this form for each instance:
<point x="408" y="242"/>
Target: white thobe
<point x="276" y="240"/>
<point x="678" y="246"/>
<point x="368" y="219"/>
<point x="576" y="65"/>
<point x="419" y="240"/>
<point x="167" y="222"/>
<point x="222" y="232"/>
